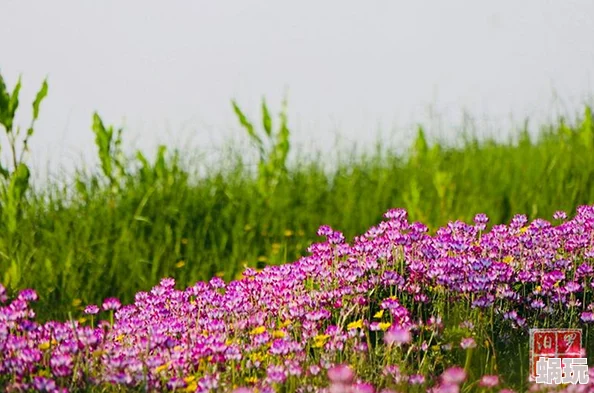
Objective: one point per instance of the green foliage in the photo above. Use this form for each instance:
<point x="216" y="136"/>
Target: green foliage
<point x="109" y="145"/>
<point x="273" y="151"/>
<point x="14" y="181"/>
<point x="118" y="230"/>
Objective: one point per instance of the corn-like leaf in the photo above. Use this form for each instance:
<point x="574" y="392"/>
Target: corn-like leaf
<point x="266" y="120"/>
<point x="41" y="94"/>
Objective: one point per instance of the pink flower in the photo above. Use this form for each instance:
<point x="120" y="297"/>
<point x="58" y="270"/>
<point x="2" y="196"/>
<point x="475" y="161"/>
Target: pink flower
<point x="447" y="388"/>
<point x="467" y="343"/>
<point x="341" y="374"/>
<point x="489" y="381"/>
<point x="397" y="336"/>
<point x="91" y="309"/>
<point x="111" y="304"/>
<point x="362" y="388"/>
<point x="455" y="375"/>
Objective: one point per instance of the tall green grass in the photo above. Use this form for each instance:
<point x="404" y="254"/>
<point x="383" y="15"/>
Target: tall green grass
<point x="119" y="229"/>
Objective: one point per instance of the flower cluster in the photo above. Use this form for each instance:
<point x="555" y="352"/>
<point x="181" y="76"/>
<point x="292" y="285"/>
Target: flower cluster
<point x="362" y="317"/>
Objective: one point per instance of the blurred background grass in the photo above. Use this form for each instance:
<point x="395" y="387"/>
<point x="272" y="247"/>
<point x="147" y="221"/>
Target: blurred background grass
<point x="118" y="229"/>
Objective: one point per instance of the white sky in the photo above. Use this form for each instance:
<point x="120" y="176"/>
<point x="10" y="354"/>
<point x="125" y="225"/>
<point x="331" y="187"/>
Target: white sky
<point x="167" y="70"/>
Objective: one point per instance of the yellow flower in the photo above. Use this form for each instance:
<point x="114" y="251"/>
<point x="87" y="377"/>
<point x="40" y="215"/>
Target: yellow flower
<point x="44" y="345"/>
<point x="523" y="230"/>
<point x="251" y="379"/>
<point x="162" y="367"/>
<point x="355" y="325"/>
<point x="82" y="320"/>
<point x="276" y="248"/>
<point x="379" y="314"/>
<point x="538" y="289"/>
<point x="288" y="233"/>
<point x="257" y="356"/>
<point x="262" y="258"/>
<point x="258" y="330"/>
<point x="278" y="334"/>
<point x="320" y="340"/>
<point x="191" y="388"/>
<point x="508" y="259"/>
<point x="384" y="325"/>
<point x="180" y="264"/>
<point x="120" y="337"/>
<point x="184" y="241"/>
<point x="177" y="348"/>
<point x="286" y="323"/>
<point x="190" y="379"/>
<point x="44" y="373"/>
<point x="76" y="302"/>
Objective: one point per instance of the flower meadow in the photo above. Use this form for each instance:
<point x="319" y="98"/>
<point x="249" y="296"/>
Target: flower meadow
<point x="398" y="309"/>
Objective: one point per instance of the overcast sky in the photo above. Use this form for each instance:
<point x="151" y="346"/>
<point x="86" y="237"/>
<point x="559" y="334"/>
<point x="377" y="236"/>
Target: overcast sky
<point x="167" y="70"/>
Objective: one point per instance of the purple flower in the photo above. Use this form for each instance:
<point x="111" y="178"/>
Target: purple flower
<point x="3" y="297"/>
<point x="480" y="221"/>
<point x="91" y="309"/>
<point x="396" y="214"/>
<point x="276" y="374"/>
<point x="111" y="303"/>
<point x="587" y="316"/>
<point x="28" y="295"/>
<point x="43" y="384"/>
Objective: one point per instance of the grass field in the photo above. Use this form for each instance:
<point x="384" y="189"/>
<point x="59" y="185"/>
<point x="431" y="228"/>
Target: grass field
<point x="120" y="229"/>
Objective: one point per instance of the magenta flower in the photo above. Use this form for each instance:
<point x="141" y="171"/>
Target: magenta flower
<point x="447" y="388"/>
<point x="362" y="388"/>
<point x="489" y="381"/>
<point x="468" y="343"/>
<point x="91" y="309"/>
<point x="587" y="316"/>
<point x="416" y="379"/>
<point x="111" y="303"/>
<point x="453" y="375"/>
<point x="341" y="374"/>
<point x="397" y="336"/>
